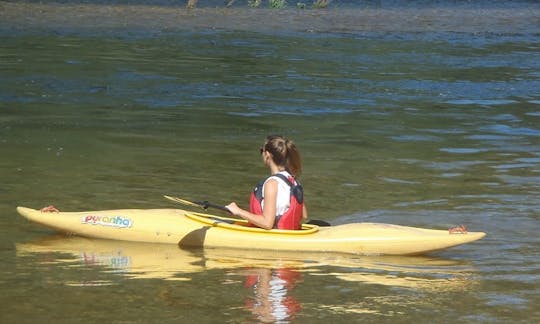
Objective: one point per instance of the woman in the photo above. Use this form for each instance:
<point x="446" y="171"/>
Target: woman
<point x="277" y="201"/>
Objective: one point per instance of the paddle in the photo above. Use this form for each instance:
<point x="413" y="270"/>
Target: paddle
<point x="205" y="205"/>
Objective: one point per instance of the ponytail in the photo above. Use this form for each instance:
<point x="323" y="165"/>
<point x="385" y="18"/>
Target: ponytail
<point x="294" y="161"/>
<point x="284" y="154"/>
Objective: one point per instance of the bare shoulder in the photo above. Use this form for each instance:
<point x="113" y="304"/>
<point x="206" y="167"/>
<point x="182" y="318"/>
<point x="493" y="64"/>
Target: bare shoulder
<point x="271" y="184"/>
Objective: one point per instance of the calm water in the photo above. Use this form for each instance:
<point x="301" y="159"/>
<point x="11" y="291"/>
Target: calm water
<point x="431" y="124"/>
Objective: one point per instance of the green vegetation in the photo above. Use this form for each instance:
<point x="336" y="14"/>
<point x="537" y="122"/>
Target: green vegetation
<point x="254" y="3"/>
<point x="321" y="4"/>
<point x="277" y="4"/>
<point x="274" y="4"/>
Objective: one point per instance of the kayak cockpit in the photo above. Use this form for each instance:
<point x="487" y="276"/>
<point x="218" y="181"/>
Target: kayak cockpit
<point x="242" y="225"/>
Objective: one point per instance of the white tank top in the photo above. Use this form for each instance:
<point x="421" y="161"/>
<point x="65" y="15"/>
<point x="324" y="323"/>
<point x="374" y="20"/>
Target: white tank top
<point x="283" y="194"/>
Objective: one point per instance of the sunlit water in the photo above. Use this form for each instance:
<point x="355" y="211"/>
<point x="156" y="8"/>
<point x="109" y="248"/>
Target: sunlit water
<point x="432" y="124"/>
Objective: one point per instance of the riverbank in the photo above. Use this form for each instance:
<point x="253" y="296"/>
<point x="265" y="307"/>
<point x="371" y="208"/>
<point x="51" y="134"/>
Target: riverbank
<point x="59" y="17"/>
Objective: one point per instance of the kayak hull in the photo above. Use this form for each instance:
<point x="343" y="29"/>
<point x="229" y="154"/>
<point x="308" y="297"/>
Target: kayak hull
<point x="184" y="228"/>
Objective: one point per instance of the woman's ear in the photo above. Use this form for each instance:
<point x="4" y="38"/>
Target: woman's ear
<point x="267" y="157"/>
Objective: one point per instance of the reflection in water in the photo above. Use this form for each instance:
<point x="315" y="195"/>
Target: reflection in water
<point x="118" y="263"/>
<point x="263" y="285"/>
<point x="272" y="300"/>
<point x="169" y="262"/>
<point x="456" y="282"/>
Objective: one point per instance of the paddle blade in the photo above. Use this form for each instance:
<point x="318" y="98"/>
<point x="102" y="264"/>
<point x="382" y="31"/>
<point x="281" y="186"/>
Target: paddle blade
<point x="318" y="222"/>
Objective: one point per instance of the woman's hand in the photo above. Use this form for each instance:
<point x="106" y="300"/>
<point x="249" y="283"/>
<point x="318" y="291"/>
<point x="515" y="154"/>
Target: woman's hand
<point x="234" y="209"/>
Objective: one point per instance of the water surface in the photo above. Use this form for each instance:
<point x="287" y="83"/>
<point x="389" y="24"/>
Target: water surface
<point x="414" y="121"/>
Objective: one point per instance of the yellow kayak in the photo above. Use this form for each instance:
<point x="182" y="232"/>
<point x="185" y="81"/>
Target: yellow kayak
<point x="186" y="228"/>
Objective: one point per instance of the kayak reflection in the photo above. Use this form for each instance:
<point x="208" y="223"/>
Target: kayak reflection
<point x="169" y="262"/>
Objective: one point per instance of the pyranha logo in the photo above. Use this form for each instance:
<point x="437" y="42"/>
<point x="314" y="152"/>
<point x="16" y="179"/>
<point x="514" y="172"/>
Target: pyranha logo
<point x="114" y="221"/>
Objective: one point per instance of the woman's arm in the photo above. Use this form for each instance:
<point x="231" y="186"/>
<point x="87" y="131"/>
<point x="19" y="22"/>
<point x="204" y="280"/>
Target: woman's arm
<point x="267" y="219"/>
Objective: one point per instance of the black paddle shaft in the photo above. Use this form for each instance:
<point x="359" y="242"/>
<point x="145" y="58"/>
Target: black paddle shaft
<point x="206" y="204"/>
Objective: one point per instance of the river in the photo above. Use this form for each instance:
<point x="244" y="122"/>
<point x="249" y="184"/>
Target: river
<point x="422" y="113"/>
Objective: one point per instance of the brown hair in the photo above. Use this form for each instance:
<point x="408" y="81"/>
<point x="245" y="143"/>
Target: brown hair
<point x="284" y="153"/>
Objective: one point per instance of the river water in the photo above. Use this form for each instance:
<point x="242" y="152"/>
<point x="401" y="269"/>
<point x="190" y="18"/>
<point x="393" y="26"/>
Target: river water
<point x="423" y="114"/>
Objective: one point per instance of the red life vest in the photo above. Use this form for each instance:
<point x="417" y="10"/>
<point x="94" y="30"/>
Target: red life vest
<point x="291" y="218"/>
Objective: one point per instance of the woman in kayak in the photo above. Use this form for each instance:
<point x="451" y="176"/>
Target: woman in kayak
<point x="277" y="201"/>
